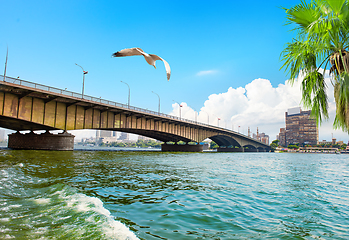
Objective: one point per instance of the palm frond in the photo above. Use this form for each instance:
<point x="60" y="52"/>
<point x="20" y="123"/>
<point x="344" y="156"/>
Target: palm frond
<point x="314" y="95"/>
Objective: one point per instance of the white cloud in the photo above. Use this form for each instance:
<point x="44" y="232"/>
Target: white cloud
<point x="258" y="104"/>
<point x="207" y="72"/>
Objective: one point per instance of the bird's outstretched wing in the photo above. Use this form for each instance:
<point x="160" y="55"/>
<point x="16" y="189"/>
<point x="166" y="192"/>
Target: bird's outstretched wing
<point x="167" y="66"/>
<point x="128" y="52"/>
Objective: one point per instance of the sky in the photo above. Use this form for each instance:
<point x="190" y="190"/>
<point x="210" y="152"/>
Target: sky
<point x="224" y="57"/>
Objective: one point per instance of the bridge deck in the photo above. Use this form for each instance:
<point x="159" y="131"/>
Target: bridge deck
<point x="25" y="89"/>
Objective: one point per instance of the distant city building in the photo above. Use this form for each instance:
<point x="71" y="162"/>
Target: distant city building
<point x="206" y="145"/>
<point x="105" y="133"/>
<point x="333" y="142"/>
<point x="107" y="140"/>
<point x="282" y="137"/>
<point x="300" y="128"/>
<point x="2" y="135"/>
<point x="264" y="138"/>
<point x="105" y="136"/>
<point x="124" y="136"/>
<point x="261" y="137"/>
<point x="90" y="139"/>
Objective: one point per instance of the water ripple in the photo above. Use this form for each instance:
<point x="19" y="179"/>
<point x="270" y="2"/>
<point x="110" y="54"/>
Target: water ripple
<point x="180" y="195"/>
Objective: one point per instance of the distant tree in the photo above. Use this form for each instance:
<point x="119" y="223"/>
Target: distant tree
<point x="120" y="144"/>
<point x="274" y="144"/>
<point x="213" y="145"/>
<point x="294" y="146"/>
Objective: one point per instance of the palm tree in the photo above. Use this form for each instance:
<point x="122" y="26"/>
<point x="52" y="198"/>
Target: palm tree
<point x="321" y="44"/>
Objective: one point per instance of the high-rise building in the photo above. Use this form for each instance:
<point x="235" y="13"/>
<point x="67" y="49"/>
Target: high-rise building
<point x="282" y="137"/>
<point x="300" y="128"/>
<point x="123" y="136"/>
<point x="104" y="133"/>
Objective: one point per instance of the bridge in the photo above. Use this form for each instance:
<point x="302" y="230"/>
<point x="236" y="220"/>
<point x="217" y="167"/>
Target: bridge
<point x="31" y="106"/>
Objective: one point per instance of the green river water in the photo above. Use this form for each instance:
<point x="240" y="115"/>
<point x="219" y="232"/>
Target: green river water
<point x="156" y="195"/>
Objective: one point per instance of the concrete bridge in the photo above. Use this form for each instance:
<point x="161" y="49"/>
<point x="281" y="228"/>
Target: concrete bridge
<point x="30" y="106"/>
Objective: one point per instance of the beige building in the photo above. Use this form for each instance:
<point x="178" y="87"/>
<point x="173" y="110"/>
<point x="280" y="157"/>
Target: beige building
<point x="300" y="128"/>
<point x="261" y="137"/>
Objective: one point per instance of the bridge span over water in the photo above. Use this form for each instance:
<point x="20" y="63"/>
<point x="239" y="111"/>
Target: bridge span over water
<point x="26" y="105"/>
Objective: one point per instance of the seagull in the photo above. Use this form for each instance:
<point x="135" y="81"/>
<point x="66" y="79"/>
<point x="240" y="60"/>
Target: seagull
<point x="150" y="58"/>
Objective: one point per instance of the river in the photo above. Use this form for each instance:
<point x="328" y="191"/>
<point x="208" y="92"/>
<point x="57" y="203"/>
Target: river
<point x="156" y="195"/>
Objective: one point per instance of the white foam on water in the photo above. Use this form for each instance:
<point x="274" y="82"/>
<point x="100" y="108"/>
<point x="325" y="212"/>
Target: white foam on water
<point x="111" y="228"/>
<point x="16" y="206"/>
<point x="55" y="205"/>
<point x="9" y="236"/>
<point x="42" y="200"/>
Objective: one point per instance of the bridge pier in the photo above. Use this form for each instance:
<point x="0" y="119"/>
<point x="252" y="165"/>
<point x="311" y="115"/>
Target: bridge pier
<point x="225" y="149"/>
<point x="181" y="148"/>
<point x="45" y="141"/>
<point x="250" y="150"/>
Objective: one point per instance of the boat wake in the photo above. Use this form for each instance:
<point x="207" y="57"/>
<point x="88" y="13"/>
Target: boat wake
<point x="32" y="208"/>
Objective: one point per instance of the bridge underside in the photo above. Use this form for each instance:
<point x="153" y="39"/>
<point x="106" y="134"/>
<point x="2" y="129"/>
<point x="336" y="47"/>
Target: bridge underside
<point x="225" y="141"/>
<point x="20" y="125"/>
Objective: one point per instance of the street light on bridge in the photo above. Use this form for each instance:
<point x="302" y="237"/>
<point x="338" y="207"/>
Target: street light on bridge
<point x="129" y="94"/>
<point x="194" y="113"/>
<point x="159" y="101"/>
<point x="180" y="114"/>
<point x="83" y="79"/>
<point x="217" y="118"/>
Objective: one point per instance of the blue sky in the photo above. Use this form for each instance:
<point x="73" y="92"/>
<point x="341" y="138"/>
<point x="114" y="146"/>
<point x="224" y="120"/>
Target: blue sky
<point x="211" y="46"/>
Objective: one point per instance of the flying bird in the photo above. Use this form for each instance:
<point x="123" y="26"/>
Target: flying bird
<point x="150" y="58"/>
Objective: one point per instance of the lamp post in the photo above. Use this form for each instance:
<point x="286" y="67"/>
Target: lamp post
<point x="5" y="65"/>
<point x="159" y="101"/>
<point x="194" y="113"/>
<point x="129" y="93"/>
<point x="83" y="79"/>
<point x="180" y="114"/>
<point x="217" y="118"/>
<point x="238" y="129"/>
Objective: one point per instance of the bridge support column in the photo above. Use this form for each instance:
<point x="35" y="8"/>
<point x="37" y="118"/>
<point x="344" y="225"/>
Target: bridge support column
<point x="221" y="149"/>
<point x="45" y="141"/>
<point x="250" y="150"/>
<point x="181" y="148"/>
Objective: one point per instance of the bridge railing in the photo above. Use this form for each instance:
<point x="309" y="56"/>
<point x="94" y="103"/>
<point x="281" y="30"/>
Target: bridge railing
<point x="86" y="97"/>
<point x="103" y="101"/>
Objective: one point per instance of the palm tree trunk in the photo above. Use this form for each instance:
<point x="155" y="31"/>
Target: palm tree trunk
<point x="340" y="64"/>
<point x="342" y="108"/>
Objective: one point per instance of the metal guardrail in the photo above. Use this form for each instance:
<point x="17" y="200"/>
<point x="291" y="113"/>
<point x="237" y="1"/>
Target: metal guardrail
<point x="107" y="102"/>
